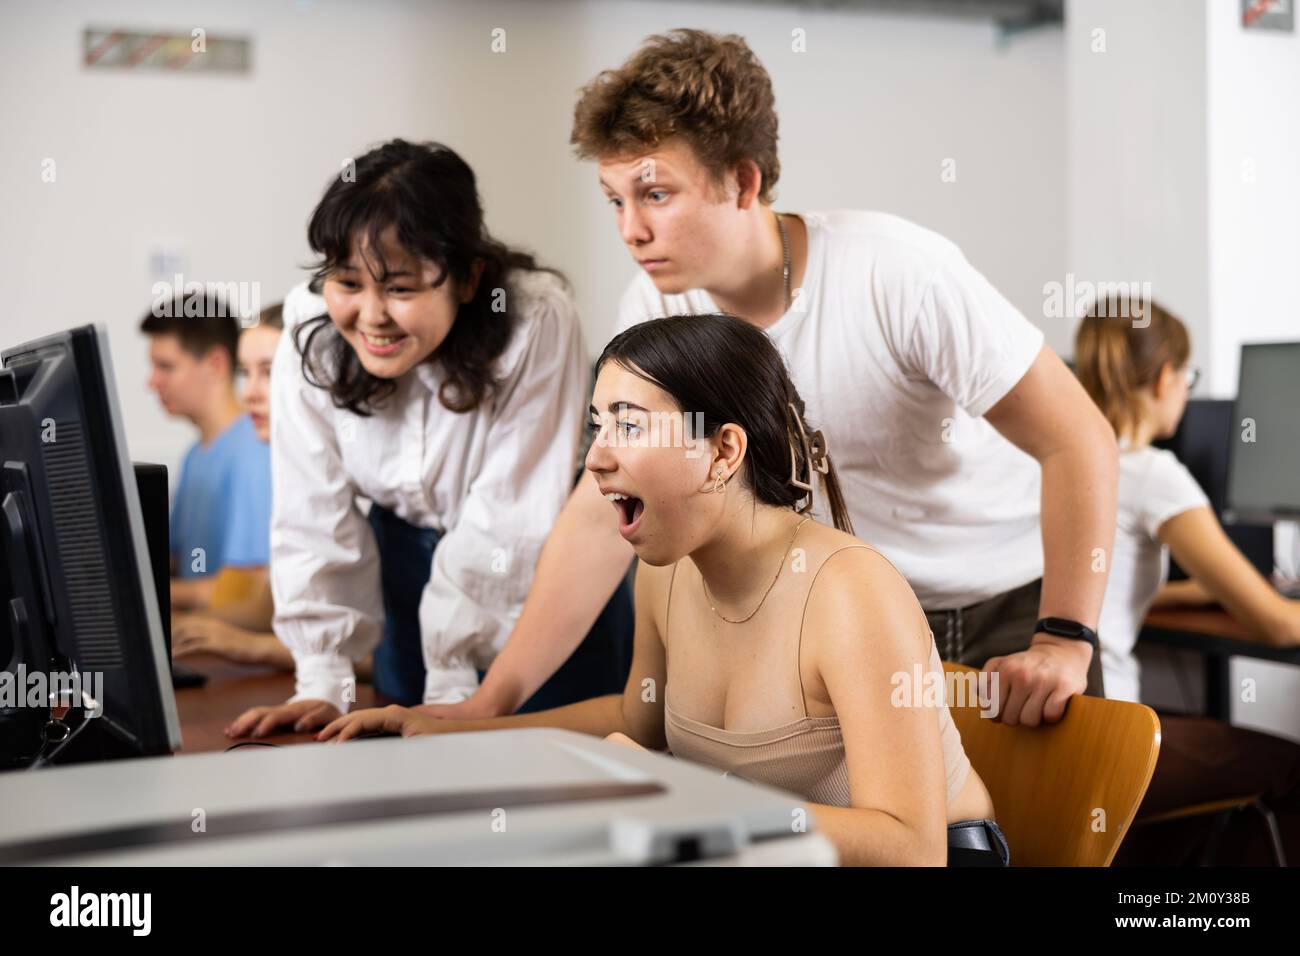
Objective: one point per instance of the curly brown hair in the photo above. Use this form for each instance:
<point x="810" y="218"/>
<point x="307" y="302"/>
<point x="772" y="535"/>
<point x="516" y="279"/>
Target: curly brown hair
<point x="709" y="89"/>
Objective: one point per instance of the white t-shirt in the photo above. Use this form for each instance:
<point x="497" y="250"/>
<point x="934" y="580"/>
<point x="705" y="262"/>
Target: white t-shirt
<point x="898" y="347"/>
<point x="1153" y="487"/>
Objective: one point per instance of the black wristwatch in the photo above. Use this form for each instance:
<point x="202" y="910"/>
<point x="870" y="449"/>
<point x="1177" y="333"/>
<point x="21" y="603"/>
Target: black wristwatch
<point x="1064" y="627"/>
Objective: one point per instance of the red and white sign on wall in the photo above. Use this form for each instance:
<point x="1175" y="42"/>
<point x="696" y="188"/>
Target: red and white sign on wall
<point x="195" y="50"/>
<point x="1268" y="15"/>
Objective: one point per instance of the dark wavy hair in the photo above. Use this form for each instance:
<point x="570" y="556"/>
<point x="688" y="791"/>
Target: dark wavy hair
<point x="428" y="195"/>
<point x="726" y="370"/>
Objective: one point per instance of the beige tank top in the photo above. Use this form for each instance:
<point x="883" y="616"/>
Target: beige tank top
<point x="804" y="756"/>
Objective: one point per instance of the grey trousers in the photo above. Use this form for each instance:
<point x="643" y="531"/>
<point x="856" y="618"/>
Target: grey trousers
<point x="1003" y="624"/>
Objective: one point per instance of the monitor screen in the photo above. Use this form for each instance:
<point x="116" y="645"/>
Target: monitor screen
<point x="1264" y="465"/>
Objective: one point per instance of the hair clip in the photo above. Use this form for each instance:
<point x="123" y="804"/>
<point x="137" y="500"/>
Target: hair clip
<point x="815" y="451"/>
<point x="817" y="455"/>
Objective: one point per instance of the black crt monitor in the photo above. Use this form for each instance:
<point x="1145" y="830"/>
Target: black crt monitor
<point x="1203" y="443"/>
<point x="1264" y="466"/>
<point x="77" y="591"/>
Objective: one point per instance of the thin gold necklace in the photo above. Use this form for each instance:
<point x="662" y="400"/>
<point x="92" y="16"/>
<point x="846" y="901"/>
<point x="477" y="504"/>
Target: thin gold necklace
<point x="742" y="620"/>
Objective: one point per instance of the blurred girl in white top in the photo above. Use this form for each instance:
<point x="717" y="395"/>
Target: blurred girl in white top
<point x="439" y="375"/>
<point x="1136" y="369"/>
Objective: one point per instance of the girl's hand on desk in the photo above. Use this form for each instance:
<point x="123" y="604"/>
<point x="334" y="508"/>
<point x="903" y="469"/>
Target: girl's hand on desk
<point x="393" y="719"/>
<point x="297" y="716"/>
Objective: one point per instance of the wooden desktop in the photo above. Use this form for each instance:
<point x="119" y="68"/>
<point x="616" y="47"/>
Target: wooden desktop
<point x="1216" y="634"/>
<point x="230" y="690"/>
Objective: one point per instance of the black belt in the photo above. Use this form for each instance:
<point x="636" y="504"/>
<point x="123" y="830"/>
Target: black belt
<point x="977" y="843"/>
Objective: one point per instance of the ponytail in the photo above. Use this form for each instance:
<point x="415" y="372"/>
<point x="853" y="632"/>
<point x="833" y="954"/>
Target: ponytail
<point x="1115" y="359"/>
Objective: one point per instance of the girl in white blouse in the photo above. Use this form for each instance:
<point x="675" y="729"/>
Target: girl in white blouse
<point x="440" y="376"/>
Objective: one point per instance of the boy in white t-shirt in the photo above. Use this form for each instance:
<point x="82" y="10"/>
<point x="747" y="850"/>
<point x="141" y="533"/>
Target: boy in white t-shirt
<point x="951" y="419"/>
<point x="1139" y="377"/>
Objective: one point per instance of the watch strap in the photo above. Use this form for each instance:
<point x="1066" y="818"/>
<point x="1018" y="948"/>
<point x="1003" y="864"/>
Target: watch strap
<point x="1064" y="627"/>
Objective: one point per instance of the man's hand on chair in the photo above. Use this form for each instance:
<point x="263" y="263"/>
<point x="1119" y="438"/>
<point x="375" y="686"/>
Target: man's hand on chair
<point x="1034" y="686"/>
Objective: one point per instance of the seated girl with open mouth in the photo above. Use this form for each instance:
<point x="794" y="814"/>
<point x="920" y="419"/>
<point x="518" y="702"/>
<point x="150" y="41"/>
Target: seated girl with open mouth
<point x="768" y="645"/>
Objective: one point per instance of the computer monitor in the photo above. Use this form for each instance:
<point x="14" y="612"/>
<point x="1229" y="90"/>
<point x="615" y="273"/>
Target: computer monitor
<point x="80" y="607"/>
<point x="1202" y="443"/>
<point x="1264" y="465"/>
<point x="154" y="501"/>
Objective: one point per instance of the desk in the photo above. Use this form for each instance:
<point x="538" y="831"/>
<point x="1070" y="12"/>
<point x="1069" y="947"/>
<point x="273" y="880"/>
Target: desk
<point x="1218" y="635"/>
<point x="232" y="689"/>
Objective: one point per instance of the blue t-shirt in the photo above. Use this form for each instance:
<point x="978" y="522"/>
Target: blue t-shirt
<point x="222" y="507"/>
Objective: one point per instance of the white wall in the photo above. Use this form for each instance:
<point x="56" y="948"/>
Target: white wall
<point x="227" y="169"/>
<point x="1136" y="164"/>
<point x="1254" y="186"/>
<point x="223" y="168"/>
<point x="1182" y="169"/>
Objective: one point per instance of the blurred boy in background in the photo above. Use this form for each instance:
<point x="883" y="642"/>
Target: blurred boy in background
<point x="221" y="508"/>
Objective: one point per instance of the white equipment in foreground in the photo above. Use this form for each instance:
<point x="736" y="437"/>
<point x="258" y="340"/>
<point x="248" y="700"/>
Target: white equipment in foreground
<point x="533" y="796"/>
